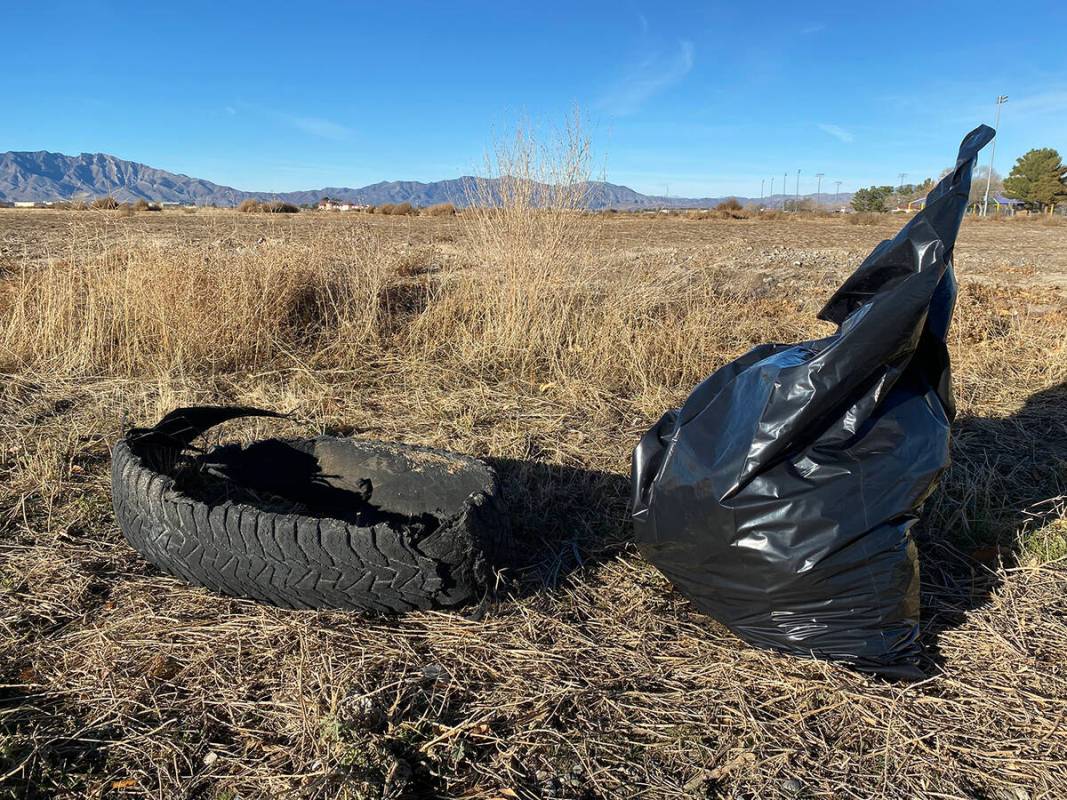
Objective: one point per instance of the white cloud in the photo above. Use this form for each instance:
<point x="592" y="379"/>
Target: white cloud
<point x="653" y="76"/>
<point x="837" y="132"/>
<point x="813" y="27"/>
<point x="317" y="126"/>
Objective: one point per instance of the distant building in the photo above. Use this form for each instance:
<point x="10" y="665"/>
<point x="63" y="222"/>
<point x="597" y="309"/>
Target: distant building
<point x="329" y="204"/>
<point x="1006" y="204"/>
<point x="28" y="204"/>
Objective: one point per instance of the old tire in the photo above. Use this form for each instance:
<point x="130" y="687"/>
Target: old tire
<point x="316" y="561"/>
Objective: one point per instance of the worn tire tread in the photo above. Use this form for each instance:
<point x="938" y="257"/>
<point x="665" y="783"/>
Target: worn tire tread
<point x="296" y="561"/>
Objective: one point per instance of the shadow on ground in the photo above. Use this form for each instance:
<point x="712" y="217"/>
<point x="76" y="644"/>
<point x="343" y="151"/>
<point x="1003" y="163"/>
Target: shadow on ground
<point x="1007" y="474"/>
<point x="562" y="518"/>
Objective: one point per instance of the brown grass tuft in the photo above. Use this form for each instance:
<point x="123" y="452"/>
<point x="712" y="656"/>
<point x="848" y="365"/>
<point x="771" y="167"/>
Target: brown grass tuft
<point x="439" y="210"/>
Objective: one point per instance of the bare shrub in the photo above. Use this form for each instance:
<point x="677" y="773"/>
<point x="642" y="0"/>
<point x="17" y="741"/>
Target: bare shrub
<point x="279" y="207"/>
<point x="396" y="209"/>
<point x="439" y="210"/>
<point x="249" y="206"/>
<point x="520" y="305"/>
<point x="105" y="203"/>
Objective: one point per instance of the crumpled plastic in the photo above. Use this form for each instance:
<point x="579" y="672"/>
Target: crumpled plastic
<point x="780" y="497"/>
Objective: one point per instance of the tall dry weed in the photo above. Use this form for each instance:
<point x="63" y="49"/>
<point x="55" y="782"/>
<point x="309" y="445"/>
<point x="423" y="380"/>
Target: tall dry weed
<point x="141" y="306"/>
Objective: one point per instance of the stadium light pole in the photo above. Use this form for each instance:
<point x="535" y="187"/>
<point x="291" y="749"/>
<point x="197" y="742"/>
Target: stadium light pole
<point x="796" y="202"/>
<point x="837" y="191"/>
<point x="1001" y="100"/>
<point x="772" y="188"/>
<point x="818" y="188"/>
<point x="785" y="189"/>
<point x="762" y="183"/>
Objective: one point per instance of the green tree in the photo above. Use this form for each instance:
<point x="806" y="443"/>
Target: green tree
<point x="872" y="198"/>
<point x="1038" y="179"/>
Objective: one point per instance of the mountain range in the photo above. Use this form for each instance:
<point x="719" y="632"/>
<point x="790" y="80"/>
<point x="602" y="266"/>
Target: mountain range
<point x="43" y="176"/>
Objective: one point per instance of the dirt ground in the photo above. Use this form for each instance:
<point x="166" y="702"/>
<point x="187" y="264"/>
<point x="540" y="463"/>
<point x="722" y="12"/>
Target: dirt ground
<point x="592" y="678"/>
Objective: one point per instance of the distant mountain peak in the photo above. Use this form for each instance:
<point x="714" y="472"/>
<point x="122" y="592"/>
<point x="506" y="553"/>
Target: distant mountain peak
<point x="43" y="176"/>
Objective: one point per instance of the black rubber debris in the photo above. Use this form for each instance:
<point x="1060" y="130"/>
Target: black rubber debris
<point x="309" y="523"/>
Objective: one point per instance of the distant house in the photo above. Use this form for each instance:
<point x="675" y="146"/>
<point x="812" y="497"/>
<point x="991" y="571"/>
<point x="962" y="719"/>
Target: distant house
<point x="329" y="204"/>
<point x="28" y="204"/>
<point x="6" y="204"/>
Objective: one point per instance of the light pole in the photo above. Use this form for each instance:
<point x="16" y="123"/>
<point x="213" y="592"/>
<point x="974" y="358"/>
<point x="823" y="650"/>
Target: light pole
<point x="837" y="191"/>
<point x="796" y="203"/>
<point x="785" y="191"/>
<point x="772" y="188"/>
<point x="818" y="189"/>
<point x="1001" y="100"/>
<point x="762" y="183"/>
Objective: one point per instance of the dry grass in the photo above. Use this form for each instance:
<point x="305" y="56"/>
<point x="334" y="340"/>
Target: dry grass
<point x="546" y="341"/>
<point x="439" y="210"/>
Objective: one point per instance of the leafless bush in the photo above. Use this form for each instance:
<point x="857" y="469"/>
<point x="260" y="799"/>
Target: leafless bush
<point x="439" y="210"/>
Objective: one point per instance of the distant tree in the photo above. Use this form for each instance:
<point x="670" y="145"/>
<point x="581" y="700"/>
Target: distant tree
<point x="729" y="204"/>
<point x="1038" y="179"/>
<point x="872" y="198"/>
<point x="978" y="179"/>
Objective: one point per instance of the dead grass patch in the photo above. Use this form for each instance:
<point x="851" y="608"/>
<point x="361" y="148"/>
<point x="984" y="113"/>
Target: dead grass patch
<point x="546" y="340"/>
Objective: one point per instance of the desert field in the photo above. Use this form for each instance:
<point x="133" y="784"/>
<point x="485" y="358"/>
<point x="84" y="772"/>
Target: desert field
<point x="545" y="343"/>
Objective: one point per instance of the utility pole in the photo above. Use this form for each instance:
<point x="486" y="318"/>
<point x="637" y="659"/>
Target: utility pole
<point x="1001" y="100"/>
<point x="785" y="177"/>
<point x="772" y="188"/>
<point x="762" y="183"/>
<point x="837" y="191"/>
<point x="900" y="180"/>
<point x="818" y="189"/>
<point x="796" y="203"/>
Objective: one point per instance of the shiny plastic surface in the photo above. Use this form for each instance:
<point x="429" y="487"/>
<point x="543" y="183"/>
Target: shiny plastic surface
<point x="780" y="497"/>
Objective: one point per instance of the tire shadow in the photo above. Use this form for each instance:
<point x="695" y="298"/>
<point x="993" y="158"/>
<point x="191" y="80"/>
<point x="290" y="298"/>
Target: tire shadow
<point x="562" y="519"/>
<point x="1007" y="474"/>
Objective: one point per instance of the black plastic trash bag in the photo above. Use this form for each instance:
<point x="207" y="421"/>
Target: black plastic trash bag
<point x="780" y="497"/>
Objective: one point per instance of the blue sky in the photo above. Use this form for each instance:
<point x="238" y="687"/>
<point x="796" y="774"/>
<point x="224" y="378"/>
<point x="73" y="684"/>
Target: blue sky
<point x="705" y="99"/>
